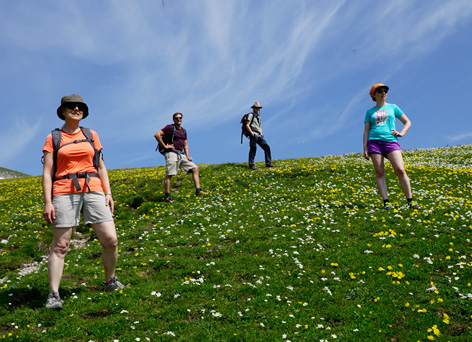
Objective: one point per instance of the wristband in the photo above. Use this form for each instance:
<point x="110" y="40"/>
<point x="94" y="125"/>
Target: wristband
<point x="108" y="193"/>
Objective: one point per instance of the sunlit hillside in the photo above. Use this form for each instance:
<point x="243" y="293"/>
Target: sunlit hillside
<point x="300" y="252"/>
<point x="6" y="173"/>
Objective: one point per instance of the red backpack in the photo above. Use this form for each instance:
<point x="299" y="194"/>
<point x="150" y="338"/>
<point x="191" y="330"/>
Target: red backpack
<point x="244" y="122"/>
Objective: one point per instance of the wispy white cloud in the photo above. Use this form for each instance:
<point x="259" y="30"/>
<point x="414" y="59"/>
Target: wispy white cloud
<point x="230" y="59"/>
<point x="17" y="138"/>
<point x="330" y="121"/>
<point x="460" y="137"/>
<point x="137" y="62"/>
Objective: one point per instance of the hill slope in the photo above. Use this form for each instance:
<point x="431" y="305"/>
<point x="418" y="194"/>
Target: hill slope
<point x="300" y="252"/>
<point x="6" y="173"/>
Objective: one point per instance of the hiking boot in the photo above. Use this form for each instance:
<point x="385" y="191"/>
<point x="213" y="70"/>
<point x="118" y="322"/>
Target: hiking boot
<point x="54" y="302"/>
<point x="413" y="205"/>
<point x="387" y="207"/>
<point x="252" y="167"/>
<point x="199" y="192"/>
<point x="168" y="199"/>
<point x="270" y="165"/>
<point x="113" y="284"/>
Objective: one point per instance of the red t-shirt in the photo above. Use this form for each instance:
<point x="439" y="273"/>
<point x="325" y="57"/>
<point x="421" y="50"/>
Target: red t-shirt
<point x="74" y="158"/>
<point x="179" y="137"/>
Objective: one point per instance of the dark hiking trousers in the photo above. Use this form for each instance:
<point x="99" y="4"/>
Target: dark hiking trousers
<point x="259" y="140"/>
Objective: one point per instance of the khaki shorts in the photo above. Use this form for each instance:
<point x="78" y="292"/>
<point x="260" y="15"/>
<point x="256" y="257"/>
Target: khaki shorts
<point x="174" y="161"/>
<point x="91" y="204"/>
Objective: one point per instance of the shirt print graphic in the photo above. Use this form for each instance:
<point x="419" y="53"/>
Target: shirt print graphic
<point x="381" y="117"/>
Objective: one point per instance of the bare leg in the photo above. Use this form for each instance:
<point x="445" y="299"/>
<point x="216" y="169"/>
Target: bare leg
<point x="396" y="160"/>
<point x="196" y="177"/>
<point x="59" y="248"/>
<point x="167" y="184"/>
<point x="379" y="167"/>
<point x="106" y="234"/>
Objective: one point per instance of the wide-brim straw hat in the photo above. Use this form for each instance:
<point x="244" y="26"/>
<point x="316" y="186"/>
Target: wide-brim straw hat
<point x="71" y="98"/>
<point x="256" y="105"/>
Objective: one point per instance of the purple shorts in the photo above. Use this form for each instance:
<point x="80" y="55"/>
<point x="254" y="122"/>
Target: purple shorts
<point x="382" y="147"/>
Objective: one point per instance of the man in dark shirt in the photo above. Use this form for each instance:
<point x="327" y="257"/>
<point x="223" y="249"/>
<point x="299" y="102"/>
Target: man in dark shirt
<point x="255" y="130"/>
<point x="173" y="138"/>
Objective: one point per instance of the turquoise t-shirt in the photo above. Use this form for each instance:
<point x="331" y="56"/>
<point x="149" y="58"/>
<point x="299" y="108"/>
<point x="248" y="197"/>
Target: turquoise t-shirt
<point x="382" y="121"/>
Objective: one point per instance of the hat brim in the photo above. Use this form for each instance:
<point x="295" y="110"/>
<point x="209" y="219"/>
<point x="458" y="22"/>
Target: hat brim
<point x="384" y="86"/>
<point x="375" y="87"/>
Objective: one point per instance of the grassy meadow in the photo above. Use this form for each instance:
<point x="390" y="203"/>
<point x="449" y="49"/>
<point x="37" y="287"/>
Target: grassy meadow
<point x="300" y="252"/>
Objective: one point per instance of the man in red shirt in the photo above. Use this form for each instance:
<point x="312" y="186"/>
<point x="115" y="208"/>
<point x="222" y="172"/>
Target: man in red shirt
<point x="173" y="139"/>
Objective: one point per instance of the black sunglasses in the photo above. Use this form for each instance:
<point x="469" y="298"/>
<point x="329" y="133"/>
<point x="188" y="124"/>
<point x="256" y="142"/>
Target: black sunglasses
<point x="178" y="118"/>
<point x="71" y="105"/>
<point x="382" y="90"/>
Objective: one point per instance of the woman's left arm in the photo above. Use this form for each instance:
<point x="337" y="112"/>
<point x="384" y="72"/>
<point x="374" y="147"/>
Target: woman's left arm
<point x="103" y="175"/>
<point x="406" y="126"/>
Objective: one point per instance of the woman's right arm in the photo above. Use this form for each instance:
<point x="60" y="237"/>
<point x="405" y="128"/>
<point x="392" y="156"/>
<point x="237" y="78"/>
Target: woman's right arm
<point x="366" y="138"/>
<point x="48" y="169"/>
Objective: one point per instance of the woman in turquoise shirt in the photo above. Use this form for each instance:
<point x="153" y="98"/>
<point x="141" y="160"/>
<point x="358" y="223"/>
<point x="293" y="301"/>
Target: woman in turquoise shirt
<point x="381" y="141"/>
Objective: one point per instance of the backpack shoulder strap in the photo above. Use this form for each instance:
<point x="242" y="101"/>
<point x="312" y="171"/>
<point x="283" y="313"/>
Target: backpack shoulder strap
<point x="88" y="134"/>
<point x="174" y="129"/>
<point x="56" y="139"/>
<point x="56" y="144"/>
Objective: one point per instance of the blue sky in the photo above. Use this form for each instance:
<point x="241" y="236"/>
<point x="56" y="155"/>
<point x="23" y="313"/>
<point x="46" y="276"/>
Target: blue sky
<point x="309" y="63"/>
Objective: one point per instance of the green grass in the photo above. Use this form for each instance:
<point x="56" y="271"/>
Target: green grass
<point x="301" y="252"/>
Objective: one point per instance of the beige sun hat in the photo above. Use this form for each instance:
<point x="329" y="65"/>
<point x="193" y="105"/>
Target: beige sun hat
<point x="256" y="105"/>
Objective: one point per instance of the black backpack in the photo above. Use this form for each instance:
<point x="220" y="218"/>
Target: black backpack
<point x="166" y="141"/>
<point x="244" y="122"/>
<point x="56" y="144"/>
